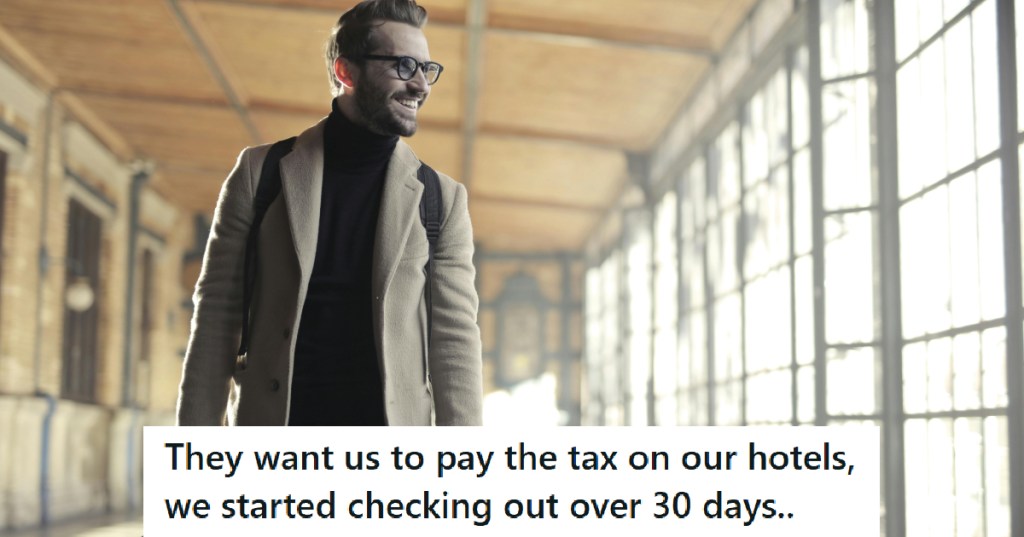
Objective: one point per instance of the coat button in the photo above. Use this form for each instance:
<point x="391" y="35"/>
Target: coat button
<point x="275" y="385"/>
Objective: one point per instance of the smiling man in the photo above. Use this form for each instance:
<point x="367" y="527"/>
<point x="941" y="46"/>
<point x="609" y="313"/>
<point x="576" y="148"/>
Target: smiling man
<point x="355" y="318"/>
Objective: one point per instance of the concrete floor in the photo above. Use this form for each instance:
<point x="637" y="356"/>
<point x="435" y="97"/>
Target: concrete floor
<point x="105" y="526"/>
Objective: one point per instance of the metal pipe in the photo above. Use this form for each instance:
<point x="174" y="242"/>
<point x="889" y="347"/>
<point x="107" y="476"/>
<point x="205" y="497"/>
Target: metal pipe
<point x="139" y="179"/>
<point x="888" y="267"/>
<point x="817" y="208"/>
<point x="44" y="460"/>
<point x="1012" y="258"/>
<point x="44" y="256"/>
<point x="130" y="459"/>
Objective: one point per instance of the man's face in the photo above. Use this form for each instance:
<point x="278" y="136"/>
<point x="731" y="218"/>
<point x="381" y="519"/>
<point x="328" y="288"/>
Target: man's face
<point x="389" y="104"/>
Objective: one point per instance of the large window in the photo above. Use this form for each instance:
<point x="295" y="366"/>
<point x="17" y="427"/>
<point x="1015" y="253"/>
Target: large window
<point x="666" y="310"/>
<point x="692" y="367"/>
<point x="954" y="300"/>
<point x="144" y="328"/>
<point x="637" y="298"/>
<point x="79" y="372"/>
<point x="842" y="252"/>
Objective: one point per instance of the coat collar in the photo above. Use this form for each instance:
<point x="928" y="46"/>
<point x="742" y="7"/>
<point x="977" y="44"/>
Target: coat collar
<point x="302" y="175"/>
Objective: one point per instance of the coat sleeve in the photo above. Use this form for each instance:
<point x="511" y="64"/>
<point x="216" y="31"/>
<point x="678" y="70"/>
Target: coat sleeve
<point x="455" y="349"/>
<point x="216" y="319"/>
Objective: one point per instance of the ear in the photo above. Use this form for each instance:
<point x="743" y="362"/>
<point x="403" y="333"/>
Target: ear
<point x="344" y="71"/>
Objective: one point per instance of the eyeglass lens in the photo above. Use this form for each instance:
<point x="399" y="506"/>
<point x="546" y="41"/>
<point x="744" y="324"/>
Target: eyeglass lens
<point x="407" y="69"/>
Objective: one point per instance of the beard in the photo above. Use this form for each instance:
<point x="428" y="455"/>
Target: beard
<point x="375" y="105"/>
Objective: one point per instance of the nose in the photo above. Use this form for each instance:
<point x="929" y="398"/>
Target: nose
<point x="418" y="82"/>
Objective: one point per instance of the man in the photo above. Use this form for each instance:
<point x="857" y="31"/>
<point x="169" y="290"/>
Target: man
<point x="338" y="321"/>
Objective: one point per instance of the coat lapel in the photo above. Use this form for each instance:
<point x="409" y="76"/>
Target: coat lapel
<point x="302" y="176"/>
<point x="399" y="207"/>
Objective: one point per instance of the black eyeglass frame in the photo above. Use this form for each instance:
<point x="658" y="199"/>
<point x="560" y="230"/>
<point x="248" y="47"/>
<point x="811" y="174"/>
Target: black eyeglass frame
<point x="420" y="66"/>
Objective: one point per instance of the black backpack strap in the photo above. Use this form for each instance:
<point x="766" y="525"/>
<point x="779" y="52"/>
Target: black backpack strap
<point x="267" y="190"/>
<point x="430" y="217"/>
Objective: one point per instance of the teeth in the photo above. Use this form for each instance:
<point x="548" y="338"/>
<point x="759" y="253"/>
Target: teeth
<point x="408" y="103"/>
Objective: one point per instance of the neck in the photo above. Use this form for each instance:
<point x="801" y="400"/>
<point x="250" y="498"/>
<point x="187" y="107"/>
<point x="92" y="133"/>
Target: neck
<point x="346" y="103"/>
<point x="353" y="143"/>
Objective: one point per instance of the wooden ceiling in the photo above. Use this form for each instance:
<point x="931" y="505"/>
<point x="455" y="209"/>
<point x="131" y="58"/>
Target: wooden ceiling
<point x="539" y="104"/>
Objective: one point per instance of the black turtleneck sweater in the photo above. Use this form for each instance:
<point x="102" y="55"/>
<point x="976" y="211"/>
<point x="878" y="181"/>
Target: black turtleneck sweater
<point x="336" y="378"/>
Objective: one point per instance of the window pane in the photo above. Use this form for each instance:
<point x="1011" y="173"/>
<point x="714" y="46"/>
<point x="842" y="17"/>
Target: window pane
<point x="845" y="38"/>
<point x="907" y="33"/>
<point x="694" y="215"/>
<point x="728" y="406"/>
<point x="990" y="241"/>
<point x="911" y="137"/>
<point x="849" y="278"/>
<point x="592" y="349"/>
<point x="852" y="385"/>
<point x="611" y="373"/>
<point x="800" y="100"/>
<point x="964" y="239"/>
<point x="768" y="325"/>
<point x="764" y="129"/>
<point x="921" y="101"/>
<point x="930" y="496"/>
<point x="766" y="217"/>
<point x="769" y="397"/>
<point x="940" y="375"/>
<point x="967" y="371"/>
<point x="804" y="311"/>
<point x="724" y="167"/>
<point x="802" y="212"/>
<point x="693" y="272"/>
<point x="997" y="476"/>
<point x="986" y="77"/>
<point x="728" y="338"/>
<point x="847" y="109"/>
<point x="693" y="371"/>
<point x="993" y="369"/>
<point x="967" y="456"/>
<point x="666" y="309"/>
<point x="639" y="320"/>
<point x="81" y="328"/>
<point x="805" y="394"/>
<point x="924" y="258"/>
<point x="956" y="476"/>
<point x="722" y="270"/>
<point x="948" y="99"/>
<point x="915" y="378"/>
<point x="959" y="96"/>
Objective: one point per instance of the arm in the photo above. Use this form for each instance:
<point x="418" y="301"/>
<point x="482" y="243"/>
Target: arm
<point x="455" y="348"/>
<point x="216" y="320"/>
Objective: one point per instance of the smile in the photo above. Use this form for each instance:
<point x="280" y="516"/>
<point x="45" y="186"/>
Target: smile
<point x="411" y="104"/>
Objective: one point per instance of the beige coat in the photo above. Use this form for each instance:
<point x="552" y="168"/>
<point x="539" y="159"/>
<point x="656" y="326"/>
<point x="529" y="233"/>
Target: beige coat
<point x="442" y="386"/>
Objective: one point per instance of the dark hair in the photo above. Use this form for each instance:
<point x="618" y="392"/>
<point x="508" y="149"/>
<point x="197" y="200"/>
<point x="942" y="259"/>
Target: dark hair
<point x="353" y="36"/>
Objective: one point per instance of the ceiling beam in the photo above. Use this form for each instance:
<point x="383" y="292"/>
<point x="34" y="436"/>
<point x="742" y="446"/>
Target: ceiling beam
<point x="215" y="69"/>
<point x="569" y="38"/>
<point x="566" y="35"/>
<point x="596" y="142"/>
<point x="256" y="107"/>
<point x="437" y="16"/>
<point x="36" y="70"/>
<point x="538" y="204"/>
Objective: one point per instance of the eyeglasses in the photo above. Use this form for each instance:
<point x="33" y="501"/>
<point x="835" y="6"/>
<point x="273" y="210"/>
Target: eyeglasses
<point x="407" y="66"/>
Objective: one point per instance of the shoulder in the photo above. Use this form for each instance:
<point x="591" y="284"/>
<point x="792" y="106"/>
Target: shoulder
<point x="313" y="136"/>
<point x="251" y="159"/>
<point x="450" y="188"/>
